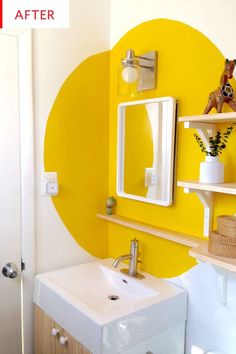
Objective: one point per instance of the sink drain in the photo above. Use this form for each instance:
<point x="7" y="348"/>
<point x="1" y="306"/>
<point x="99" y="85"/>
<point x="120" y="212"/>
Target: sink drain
<point x="113" y="297"/>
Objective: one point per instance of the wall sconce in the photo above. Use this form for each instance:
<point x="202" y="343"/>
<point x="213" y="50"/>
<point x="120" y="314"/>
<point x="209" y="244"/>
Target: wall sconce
<point x="137" y="73"/>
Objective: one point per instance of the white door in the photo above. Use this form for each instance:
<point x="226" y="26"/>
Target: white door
<point x="10" y="197"/>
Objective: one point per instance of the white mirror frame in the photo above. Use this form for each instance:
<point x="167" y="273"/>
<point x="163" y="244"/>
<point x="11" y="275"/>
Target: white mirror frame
<point x="167" y="153"/>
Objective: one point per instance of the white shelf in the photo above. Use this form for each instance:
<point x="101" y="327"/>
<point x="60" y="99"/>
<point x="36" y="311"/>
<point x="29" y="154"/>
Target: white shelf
<point x="227" y="188"/>
<point x="173" y="236"/>
<point x="210" y="118"/>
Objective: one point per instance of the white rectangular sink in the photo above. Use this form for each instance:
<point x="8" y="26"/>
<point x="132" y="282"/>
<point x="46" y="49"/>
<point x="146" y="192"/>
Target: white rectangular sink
<point x="106" y="310"/>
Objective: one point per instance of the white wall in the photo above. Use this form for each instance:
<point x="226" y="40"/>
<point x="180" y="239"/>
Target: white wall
<point x="214" y="18"/>
<point x="56" y="53"/>
<point x="211" y="325"/>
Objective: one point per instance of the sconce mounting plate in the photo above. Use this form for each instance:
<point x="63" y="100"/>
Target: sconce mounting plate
<point x="148" y="67"/>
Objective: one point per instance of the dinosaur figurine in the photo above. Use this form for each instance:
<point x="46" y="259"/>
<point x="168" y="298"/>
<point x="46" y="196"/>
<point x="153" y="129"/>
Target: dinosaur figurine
<point x="225" y="92"/>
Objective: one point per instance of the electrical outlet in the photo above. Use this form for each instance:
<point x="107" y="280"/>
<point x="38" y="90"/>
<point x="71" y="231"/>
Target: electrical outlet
<point x="49" y="184"/>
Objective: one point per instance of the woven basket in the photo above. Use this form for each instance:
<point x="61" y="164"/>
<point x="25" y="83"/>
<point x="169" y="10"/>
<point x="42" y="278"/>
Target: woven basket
<point x="226" y="225"/>
<point x="221" y="245"/>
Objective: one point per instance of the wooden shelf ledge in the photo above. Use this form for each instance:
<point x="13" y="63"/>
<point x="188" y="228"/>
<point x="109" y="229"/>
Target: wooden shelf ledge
<point x="203" y="123"/>
<point x="201" y="253"/>
<point x="210" y="118"/>
<point x="227" y="188"/>
<point x="198" y="247"/>
<point x="173" y="236"/>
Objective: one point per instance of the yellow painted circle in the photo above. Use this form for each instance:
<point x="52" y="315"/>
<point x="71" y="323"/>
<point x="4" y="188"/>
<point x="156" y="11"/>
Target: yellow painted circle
<point x="81" y="139"/>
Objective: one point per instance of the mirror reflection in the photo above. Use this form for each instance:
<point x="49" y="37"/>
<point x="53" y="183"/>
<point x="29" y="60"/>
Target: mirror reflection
<point x="146" y="150"/>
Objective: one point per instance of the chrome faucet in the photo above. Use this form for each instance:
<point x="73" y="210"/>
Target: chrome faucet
<point x="133" y="260"/>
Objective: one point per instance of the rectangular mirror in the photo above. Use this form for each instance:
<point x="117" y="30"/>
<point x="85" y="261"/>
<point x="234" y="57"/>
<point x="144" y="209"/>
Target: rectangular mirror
<point x="146" y="142"/>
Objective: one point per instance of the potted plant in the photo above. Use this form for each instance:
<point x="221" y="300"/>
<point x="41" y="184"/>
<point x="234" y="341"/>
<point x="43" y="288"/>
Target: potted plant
<point x="212" y="170"/>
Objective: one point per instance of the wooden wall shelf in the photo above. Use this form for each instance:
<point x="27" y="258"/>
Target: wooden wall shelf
<point x="198" y="247"/>
<point x="201" y="253"/>
<point x="210" y="118"/>
<point x="205" y="125"/>
<point x="227" y="188"/>
<point x="173" y="236"/>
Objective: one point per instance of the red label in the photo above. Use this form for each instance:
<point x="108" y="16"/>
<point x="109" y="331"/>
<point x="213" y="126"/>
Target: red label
<point x="1" y="13"/>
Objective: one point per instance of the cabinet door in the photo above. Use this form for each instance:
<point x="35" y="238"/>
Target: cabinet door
<point x="60" y="343"/>
<point x="45" y="343"/>
<point x="81" y="349"/>
<point x="71" y="345"/>
<point x="66" y="344"/>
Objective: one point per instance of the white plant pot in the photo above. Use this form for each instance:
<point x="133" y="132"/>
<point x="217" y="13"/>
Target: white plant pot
<point x="212" y="170"/>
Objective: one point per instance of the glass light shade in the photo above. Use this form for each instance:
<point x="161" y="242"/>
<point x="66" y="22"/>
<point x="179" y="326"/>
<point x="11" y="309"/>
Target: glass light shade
<point x="130" y="74"/>
<point x="129" y="81"/>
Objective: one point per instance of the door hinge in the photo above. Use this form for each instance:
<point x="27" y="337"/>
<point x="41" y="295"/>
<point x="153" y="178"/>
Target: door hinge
<point x="22" y="265"/>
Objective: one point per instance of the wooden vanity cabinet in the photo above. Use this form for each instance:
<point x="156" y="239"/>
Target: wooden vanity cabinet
<point x="50" y="338"/>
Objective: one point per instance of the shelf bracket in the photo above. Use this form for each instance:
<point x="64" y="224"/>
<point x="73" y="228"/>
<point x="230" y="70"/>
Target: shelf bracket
<point x="206" y="200"/>
<point x="221" y="284"/>
<point x="205" y="130"/>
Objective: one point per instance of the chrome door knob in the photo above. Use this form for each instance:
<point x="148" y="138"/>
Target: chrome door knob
<point x="10" y="270"/>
